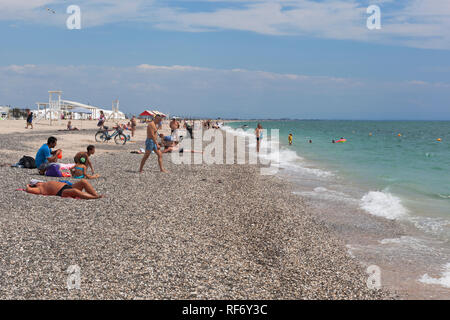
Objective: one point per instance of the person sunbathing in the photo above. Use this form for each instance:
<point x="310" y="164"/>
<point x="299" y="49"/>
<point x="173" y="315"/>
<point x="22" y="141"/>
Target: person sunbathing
<point x="175" y="147"/>
<point x="61" y="189"/>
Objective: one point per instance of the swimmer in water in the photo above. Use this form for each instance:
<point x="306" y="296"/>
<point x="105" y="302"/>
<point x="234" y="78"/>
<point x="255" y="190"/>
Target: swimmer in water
<point x="310" y="141"/>
<point x="290" y="138"/>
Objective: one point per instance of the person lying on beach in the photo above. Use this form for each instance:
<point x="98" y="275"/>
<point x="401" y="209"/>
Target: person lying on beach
<point x="85" y="155"/>
<point x="70" y="128"/>
<point x="61" y="189"/>
<point x="45" y="155"/>
<point x="176" y="148"/>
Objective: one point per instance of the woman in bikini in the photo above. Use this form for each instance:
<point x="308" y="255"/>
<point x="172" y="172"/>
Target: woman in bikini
<point x="61" y="189"/>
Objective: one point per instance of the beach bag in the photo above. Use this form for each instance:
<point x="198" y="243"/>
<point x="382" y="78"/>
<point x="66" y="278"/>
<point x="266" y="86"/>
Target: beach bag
<point x="27" y="162"/>
<point x="53" y="171"/>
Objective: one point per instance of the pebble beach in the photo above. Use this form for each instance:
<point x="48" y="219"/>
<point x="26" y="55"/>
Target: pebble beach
<point x="198" y="232"/>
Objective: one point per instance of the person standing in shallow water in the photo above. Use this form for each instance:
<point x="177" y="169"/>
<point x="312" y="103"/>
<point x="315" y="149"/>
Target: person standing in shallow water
<point x="259" y="135"/>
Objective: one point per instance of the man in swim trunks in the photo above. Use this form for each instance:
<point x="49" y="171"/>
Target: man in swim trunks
<point x="61" y="189"/>
<point x="151" y="144"/>
<point x="85" y="155"/>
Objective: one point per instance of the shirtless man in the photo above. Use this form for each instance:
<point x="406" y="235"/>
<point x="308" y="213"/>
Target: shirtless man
<point x="174" y="125"/>
<point x="151" y="144"/>
<point x="133" y="125"/>
<point x="56" y="188"/>
<point x="85" y="155"/>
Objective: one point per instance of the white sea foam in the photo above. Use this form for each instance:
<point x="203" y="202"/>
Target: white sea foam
<point x="444" y="280"/>
<point x="383" y="204"/>
<point x="284" y="157"/>
<point x="327" y="194"/>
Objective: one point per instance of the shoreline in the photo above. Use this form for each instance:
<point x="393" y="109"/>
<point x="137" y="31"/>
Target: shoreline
<point x="374" y="240"/>
<point x="199" y="232"/>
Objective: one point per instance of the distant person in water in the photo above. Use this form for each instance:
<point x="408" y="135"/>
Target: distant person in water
<point x="290" y="139"/>
<point x="332" y="141"/>
<point x="310" y="141"/>
<point x="61" y="189"/>
<point x="85" y="155"/>
<point x="259" y="135"/>
<point x="151" y="144"/>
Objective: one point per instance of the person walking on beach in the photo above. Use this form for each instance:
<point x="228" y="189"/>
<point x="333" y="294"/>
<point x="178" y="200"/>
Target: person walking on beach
<point x="101" y="120"/>
<point x="85" y="155"/>
<point x="133" y="125"/>
<point x="45" y="155"/>
<point x="259" y="135"/>
<point x="290" y="139"/>
<point x="151" y="144"/>
<point x="29" y="119"/>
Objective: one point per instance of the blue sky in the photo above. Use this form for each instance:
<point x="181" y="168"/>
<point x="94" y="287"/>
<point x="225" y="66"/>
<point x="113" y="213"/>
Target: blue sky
<point x="259" y="58"/>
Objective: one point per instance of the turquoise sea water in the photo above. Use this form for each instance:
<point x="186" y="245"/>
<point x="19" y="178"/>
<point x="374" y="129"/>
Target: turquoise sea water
<point x="386" y="171"/>
<point x="412" y="170"/>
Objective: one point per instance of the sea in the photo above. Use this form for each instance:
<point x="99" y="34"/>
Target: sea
<point x="385" y="191"/>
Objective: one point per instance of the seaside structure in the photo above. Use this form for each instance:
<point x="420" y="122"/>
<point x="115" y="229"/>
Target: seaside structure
<point x="57" y="106"/>
<point x="4" y="111"/>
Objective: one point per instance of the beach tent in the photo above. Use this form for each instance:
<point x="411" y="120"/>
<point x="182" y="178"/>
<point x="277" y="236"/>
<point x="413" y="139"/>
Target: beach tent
<point x="81" y="110"/>
<point x="147" y="113"/>
<point x="156" y="112"/>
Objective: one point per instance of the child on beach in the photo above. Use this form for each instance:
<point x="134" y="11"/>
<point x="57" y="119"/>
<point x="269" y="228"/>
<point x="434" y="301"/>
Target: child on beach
<point x="79" y="171"/>
<point x="290" y="139"/>
<point x="86" y="155"/>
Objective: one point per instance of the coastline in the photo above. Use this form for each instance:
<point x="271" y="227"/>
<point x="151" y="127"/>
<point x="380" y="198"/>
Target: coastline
<point x="200" y="232"/>
<point x="404" y="252"/>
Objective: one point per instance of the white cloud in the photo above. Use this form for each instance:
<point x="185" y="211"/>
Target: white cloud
<point x="192" y="90"/>
<point x="416" y="23"/>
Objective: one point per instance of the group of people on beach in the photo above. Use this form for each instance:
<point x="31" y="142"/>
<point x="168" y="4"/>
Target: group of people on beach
<point x="46" y="157"/>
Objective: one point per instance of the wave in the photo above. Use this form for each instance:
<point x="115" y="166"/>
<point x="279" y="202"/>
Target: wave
<point x="383" y="204"/>
<point x="274" y="153"/>
<point x="444" y="280"/>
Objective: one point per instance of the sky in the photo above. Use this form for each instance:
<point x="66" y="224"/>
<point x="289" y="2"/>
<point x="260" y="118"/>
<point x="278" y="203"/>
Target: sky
<point x="303" y="59"/>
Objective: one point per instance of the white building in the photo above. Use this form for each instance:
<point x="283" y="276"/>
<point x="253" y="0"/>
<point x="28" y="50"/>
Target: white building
<point x="4" y="112"/>
<point x="57" y="106"/>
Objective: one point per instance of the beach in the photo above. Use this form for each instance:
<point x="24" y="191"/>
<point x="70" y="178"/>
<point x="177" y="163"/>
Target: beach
<point x="198" y="232"/>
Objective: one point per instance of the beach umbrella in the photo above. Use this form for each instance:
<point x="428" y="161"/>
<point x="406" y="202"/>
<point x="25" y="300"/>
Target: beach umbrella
<point x="81" y="111"/>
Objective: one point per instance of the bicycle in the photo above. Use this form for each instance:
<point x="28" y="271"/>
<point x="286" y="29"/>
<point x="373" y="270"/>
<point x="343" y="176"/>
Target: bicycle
<point x="103" y="135"/>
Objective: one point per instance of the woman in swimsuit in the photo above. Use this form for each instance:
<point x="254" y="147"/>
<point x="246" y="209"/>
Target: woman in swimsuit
<point x="61" y="189"/>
